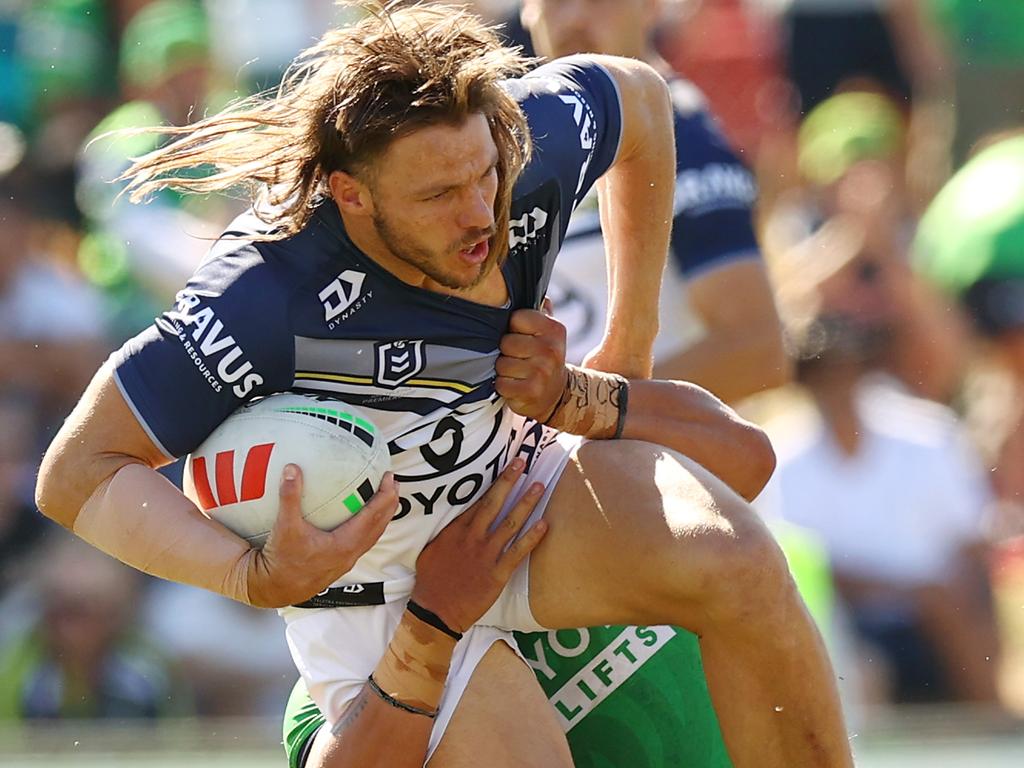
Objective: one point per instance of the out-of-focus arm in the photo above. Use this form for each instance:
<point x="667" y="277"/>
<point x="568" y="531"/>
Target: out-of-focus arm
<point x="742" y="351"/>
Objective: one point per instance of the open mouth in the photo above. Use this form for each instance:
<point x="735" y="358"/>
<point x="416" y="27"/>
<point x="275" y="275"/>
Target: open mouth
<point x="475" y="254"/>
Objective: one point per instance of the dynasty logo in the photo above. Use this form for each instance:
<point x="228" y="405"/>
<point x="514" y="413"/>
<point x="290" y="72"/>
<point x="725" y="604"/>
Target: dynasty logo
<point x="343" y="296"/>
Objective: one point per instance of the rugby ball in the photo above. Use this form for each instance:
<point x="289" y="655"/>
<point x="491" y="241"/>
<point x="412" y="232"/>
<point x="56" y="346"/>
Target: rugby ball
<point x="233" y="477"/>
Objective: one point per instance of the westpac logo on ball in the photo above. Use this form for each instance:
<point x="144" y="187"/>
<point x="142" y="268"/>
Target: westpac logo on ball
<point x="254" y="477"/>
<point x="341" y="453"/>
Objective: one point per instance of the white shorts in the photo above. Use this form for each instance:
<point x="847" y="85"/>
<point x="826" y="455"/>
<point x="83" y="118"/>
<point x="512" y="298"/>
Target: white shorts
<point x="336" y="649"/>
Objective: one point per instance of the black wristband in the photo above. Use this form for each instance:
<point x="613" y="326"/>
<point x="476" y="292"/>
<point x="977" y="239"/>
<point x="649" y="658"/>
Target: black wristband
<point x="431" y="618"/>
<point x="431" y="713"/>
<point x="623" y="404"/>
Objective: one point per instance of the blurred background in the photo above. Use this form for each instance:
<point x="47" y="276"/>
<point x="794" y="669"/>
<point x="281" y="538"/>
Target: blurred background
<point x="887" y="138"/>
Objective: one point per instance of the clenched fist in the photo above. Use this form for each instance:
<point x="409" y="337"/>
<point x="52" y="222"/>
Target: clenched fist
<point x="531" y="367"/>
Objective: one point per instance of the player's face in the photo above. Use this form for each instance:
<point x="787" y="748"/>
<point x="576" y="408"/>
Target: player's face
<point x="434" y="193"/>
<point x="564" y="27"/>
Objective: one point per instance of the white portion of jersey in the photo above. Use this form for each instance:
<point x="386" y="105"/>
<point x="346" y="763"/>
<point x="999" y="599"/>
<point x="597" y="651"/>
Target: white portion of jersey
<point x="444" y="466"/>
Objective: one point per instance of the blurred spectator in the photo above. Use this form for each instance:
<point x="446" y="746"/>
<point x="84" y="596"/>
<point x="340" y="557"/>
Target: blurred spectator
<point x="733" y="53"/>
<point x="851" y="152"/>
<point x="234" y="657"/>
<point x="830" y="42"/>
<point x="82" y="657"/>
<point x="257" y="39"/>
<point x="971" y="245"/>
<point x="886" y="479"/>
<point x="51" y="340"/>
<point x="889" y="46"/>
<point x="56" y="60"/>
<point x="987" y="42"/>
<point x="141" y="254"/>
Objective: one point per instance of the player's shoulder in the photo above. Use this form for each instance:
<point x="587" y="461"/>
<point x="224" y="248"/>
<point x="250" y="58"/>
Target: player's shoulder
<point x="238" y="260"/>
<point x="250" y="253"/>
<point x="572" y="90"/>
<point x="687" y="99"/>
<point x="560" y="77"/>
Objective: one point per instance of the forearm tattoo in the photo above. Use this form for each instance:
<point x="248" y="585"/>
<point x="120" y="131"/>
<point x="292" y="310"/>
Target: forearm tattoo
<point x="593" y="404"/>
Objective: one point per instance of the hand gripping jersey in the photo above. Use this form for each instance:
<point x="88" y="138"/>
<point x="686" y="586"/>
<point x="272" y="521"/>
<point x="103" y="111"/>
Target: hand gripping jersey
<point x="712" y="227"/>
<point x="312" y="313"/>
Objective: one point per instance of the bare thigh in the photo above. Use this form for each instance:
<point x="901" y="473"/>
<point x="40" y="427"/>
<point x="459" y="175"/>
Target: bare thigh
<point x="638" y="534"/>
<point x="503" y="720"/>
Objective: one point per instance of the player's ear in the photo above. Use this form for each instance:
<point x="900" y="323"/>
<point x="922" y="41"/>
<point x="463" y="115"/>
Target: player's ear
<point x="351" y="195"/>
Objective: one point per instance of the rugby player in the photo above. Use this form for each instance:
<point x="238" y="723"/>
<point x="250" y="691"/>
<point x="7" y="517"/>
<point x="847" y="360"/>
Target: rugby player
<point x="402" y="233"/>
<point x="718" y="328"/>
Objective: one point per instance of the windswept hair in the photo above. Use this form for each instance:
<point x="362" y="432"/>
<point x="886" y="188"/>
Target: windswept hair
<point x="340" y="104"/>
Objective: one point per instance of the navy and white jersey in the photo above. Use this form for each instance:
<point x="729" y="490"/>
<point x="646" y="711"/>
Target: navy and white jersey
<point x="312" y="313"/>
<point x="712" y="227"/>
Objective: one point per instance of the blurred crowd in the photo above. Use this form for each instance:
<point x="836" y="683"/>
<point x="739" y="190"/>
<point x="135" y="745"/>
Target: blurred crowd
<point x="887" y="137"/>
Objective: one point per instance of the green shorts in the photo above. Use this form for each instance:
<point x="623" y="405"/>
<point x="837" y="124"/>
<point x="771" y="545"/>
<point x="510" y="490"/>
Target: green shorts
<point x="631" y="696"/>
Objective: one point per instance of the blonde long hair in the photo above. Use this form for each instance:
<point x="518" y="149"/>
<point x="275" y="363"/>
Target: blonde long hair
<point x="340" y="104"/>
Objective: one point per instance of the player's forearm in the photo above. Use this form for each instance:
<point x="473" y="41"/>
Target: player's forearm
<point x="676" y="414"/>
<point x="636" y="217"/>
<point x="373" y="731"/>
<point x="688" y="419"/>
<point x="98" y="479"/>
<point x="140" y="518"/>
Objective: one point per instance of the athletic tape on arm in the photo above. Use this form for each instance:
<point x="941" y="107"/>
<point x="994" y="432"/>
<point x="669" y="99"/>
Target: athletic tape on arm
<point x="593" y="404"/>
<point x="140" y="518"/>
<point x="414" y="668"/>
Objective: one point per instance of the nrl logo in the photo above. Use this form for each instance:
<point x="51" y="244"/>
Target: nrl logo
<point x="397" y="362"/>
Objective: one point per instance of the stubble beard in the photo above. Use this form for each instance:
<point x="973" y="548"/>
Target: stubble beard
<point x="426" y="261"/>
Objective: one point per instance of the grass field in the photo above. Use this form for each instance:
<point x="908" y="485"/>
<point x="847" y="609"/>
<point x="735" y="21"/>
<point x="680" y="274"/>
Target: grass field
<point x="942" y="738"/>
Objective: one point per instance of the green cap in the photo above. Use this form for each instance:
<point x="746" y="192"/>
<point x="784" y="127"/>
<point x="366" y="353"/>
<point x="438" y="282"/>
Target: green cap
<point x="162" y="38"/>
<point x="971" y="239"/>
<point x="845" y="129"/>
<point x="974" y="228"/>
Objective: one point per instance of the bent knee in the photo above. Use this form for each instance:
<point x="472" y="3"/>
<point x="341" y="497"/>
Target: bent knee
<point x="752" y="584"/>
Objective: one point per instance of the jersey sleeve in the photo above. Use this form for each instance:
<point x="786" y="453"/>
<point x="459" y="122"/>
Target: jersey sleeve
<point x="226" y="340"/>
<point x="576" y="121"/>
<point x="715" y="192"/>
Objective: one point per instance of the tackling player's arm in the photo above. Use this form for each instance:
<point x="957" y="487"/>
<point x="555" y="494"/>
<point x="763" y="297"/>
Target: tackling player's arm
<point x="459" y="575"/>
<point x="99" y="479"/>
<point x="636" y="217"/>
<point x="742" y="351"/>
<point x="536" y="382"/>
